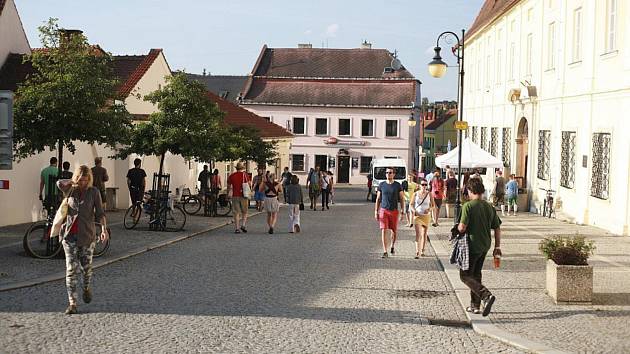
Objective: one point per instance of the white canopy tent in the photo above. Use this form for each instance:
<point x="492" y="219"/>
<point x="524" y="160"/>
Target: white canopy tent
<point x="473" y="156"/>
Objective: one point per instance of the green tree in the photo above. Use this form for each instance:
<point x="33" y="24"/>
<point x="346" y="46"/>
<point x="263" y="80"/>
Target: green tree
<point x="69" y="97"/>
<point x="254" y="148"/>
<point x="187" y="123"/>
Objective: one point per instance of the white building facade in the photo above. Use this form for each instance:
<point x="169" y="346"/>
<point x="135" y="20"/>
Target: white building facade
<point x="345" y="107"/>
<point x="547" y="86"/>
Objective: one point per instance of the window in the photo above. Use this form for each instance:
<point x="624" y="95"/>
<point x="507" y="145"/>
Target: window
<point x="530" y="54"/>
<point x="484" y="140"/>
<point x="299" y="126"/>
<point x="321" y="126"/>
<point x="322" y="162"/>
<point x="489" y="70"/>
<point x="530" y="14"/>
<point x="577" y="35"/>
<point x="512" y="59"/>
<point x="551" y="46"/>
<point x="344" y="126"/>
<point x="391" y="128"/>
<point x="365" y="164"/>
<point x="506" y="146"/>
<point x="475" y="137"/>
<point x="268" y="119"/>
<point x="367" y="127"/>
<point x="544" y="147"/>
<point x="297" y="163"/>
<point x="567" y="160"/>
<point x="499" y="66"/>
<point x="611" y="24"/>
<point x="223" y="94"/>
<point x="601" y="166"/>
<point x="494" y="137"/>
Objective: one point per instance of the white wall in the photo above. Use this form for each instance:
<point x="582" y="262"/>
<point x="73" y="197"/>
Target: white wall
<point x="586" y="96"/>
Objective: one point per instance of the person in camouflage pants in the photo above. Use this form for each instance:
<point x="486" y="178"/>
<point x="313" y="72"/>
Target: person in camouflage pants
<point x="77" y="258"/>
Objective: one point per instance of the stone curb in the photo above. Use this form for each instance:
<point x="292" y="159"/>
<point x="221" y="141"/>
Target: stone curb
<point x="102" y="263"/>
<point x="480" y="324"/>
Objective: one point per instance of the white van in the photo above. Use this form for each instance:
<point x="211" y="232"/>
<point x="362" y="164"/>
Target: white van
<point x="378" y="168"/>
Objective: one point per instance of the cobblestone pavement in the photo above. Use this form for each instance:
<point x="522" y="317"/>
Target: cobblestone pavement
<point x="524" y="309"/>
<point x="17" y="267"/>
<point x="324" y="290"/>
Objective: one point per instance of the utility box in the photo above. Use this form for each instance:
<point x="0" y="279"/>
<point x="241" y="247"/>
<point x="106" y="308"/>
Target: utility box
<point x="111" y="197"/>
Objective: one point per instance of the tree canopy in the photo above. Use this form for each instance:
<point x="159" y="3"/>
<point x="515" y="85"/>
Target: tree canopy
<point x="69" y="97"/>
<point x="189" y="124"/>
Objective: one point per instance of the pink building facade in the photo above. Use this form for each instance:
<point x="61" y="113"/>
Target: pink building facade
<point x="342" y="116"/>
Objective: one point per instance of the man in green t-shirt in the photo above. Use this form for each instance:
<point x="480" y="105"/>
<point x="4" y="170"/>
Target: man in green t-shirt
<point x="478" y="218"/>
<point x="45" y="181"/>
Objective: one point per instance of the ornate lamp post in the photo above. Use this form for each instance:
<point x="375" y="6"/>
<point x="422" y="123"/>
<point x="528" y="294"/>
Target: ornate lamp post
<point x="437" y="69"/>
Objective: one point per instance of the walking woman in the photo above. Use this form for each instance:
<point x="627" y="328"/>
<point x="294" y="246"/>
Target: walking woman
<point x="421" y="204"/>
<point x="294" y="198"/>
<point x="79" y="234"/>
<point x="326" y="186"/>
<point x="271" y="188"/>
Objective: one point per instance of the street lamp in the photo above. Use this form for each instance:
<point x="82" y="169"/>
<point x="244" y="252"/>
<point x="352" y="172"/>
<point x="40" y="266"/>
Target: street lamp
<point x="437" y="69"/>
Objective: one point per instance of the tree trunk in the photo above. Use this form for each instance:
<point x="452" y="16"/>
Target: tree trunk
<point x="162" y="164"/>
<point x="60" y="157"/>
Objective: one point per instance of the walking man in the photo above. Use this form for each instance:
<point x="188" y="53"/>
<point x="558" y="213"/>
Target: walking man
<point x="512" y="194"/>
<point x="136" y="181"/>
<point x="314" y="186"/>
<point x="286" y="180"/>
<point x="66" y="173"/>
<point x="100" y="176"/>
<point x="478" y="217"/>
<point x="239" y="203"/>
<point x="499" y="192"/>
<point x="388" y="196"/>
<point x="45" y="183"/>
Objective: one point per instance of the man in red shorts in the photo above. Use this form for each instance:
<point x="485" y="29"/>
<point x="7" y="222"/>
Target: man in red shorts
<point x="388" y="196"/>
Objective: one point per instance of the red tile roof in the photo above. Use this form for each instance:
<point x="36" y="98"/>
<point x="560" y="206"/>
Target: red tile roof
<point x="327" y="63"/>
<point x="330" y="78"/>
<point x="443" y="118"/>
<point x="329" y="93"/>
<point x="490" y="10"/>
<point x="240" y="117"/>
<point x="131" y="68"/>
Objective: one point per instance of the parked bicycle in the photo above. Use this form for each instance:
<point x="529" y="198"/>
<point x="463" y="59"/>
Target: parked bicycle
<point x="37" y="242"/>
<point x="213" y="203"/>
<point x="161" y="212"/>
<point x="548" y="203"/>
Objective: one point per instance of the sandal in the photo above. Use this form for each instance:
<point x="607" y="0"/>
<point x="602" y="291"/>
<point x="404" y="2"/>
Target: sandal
<point x="237" y="231"/>
<point x="417" y="256"/>
<point x="474" y="310"/>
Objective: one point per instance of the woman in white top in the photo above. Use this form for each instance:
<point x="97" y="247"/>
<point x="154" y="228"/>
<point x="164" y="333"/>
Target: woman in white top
<point x="326" y="186"/>
<point x="421" y="204"/>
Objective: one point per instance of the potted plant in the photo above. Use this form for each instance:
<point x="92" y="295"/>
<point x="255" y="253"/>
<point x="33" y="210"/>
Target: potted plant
<point x="569" y="277"/>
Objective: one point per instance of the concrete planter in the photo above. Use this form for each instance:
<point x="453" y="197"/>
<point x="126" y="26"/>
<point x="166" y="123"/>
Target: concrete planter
<point x="568" y="284"/>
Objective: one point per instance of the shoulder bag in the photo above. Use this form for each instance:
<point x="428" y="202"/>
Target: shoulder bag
<point x="247" y="190"/>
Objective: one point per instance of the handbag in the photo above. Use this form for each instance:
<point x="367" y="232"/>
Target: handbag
<point x="60" y="216"/>
<point x="301" y="199"/>
<point x="247" y="190"/>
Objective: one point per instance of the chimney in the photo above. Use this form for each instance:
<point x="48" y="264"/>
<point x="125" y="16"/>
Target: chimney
<point x="305" y="45"/>
<point x="366" y="45"/>
<point x="66" y="35"/>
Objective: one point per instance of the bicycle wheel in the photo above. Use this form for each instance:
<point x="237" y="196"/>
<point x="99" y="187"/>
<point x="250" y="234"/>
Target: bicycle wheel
<point x="132" y="216"/>
<point x="192" y="205"/>
<point x="101" y="247"/>
<point x="38" y="243"/>
<point x="224" y="208"/>
<point x="173" y="219"/>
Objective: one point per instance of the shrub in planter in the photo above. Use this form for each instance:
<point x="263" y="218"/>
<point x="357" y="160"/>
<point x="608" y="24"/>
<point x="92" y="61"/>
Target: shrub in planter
<point x="564" y="250"/>
<point x="569" y="277"/>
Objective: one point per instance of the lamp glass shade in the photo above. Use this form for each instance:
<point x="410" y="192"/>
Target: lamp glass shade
<point x="437" y="68"/>
<point x="411" y="122"/>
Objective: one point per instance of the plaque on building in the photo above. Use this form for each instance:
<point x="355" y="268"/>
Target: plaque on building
<point x="355" y="162"/>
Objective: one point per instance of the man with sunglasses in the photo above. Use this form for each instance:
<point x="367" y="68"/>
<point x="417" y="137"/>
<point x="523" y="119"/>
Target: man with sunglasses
<point x="388" y="196"/>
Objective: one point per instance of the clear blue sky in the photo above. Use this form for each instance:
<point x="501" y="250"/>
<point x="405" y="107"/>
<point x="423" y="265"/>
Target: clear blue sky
<point x="225" y="37"/>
